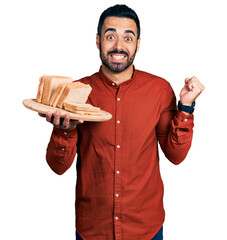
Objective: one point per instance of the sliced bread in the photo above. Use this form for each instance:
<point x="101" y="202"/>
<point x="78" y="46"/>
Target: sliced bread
<point x="83" y="109"/>
<point x="57" y="94"/>
<point x="50" y="85"/>
<point x="75" y="92"/>
<point x="40" y="89"/>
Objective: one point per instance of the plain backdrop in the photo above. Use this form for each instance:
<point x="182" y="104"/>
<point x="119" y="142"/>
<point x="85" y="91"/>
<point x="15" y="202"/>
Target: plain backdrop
<point x="180" y="39"/>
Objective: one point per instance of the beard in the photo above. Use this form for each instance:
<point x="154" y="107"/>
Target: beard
<point x="113" y="66"/>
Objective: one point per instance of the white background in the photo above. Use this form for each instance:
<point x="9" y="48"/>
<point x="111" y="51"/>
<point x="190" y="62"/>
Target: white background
<point x="179" y="38"/>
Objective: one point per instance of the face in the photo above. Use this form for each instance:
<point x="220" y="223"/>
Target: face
<point x="118" y="44"/>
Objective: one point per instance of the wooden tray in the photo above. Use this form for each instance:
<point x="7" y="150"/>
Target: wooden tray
<point x="33" y="105"/>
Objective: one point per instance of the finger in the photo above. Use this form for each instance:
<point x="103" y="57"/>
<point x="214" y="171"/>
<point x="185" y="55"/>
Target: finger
<point x="42" y="114"/>
<point x="194" y="84"/>
<point x="186" y="80"/>
<point x="74" y="123"/>
<point x="56" y="120"/>
<point x="48" y="116"/>
<point x="191" y="85"/>
<point x="199" y="84"/>
<point x="66" y="122"/>
<point x="202" y="87"/>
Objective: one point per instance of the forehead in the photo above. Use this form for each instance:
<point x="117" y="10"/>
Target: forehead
<point x="120" y="24"/>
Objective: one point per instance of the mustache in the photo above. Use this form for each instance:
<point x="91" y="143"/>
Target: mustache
<point x="117" y="52"/>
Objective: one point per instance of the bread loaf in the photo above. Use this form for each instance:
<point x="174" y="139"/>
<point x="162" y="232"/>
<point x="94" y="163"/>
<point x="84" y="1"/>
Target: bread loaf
<point x="62" y="92"/>
<point x="50" y="84"/>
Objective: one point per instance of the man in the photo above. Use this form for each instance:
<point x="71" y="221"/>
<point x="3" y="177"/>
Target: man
<point x="119" y="192"/>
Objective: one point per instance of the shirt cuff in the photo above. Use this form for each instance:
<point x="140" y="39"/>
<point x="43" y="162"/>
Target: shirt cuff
<point x="64" y="133"/>
<point x="184" y="117"/>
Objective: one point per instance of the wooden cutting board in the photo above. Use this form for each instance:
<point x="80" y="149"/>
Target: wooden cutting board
<point x="33" y="105"/>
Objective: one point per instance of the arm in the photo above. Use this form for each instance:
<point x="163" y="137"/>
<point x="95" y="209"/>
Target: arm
<point x="62" y="148"/>
<point x="175" y="130"/>
<point x="174" y="133"/>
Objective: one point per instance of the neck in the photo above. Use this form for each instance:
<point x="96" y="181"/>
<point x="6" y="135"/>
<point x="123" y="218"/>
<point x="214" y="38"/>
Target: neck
<point x="118" y="78"/>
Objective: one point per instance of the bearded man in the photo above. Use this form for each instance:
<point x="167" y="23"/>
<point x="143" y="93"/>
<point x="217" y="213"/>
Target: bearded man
<point x="119" y="191"/>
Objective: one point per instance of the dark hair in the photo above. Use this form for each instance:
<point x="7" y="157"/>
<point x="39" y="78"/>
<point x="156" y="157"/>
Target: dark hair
<point x="119" y="11"/>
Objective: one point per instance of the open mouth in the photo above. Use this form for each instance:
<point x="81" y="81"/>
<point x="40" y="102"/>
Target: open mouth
<point x="117" y="57"/>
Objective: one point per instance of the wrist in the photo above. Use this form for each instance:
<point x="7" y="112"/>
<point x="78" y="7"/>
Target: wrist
<point x="186" y="103"/>
<point x="187" y="109"/>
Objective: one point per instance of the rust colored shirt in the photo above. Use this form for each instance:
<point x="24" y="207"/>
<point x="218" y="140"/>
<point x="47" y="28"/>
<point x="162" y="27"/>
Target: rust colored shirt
<point x="119" y="191"/>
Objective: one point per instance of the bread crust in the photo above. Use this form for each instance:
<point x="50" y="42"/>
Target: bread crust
<point x="81" y="107"/>
<point x="40" y="89"/>
<point x="50" y="85"/>
<point x="57" y="94"/>
<point x="46" y="90"/>
<point x="62" y="92"/>
<point x="89" y="110"/>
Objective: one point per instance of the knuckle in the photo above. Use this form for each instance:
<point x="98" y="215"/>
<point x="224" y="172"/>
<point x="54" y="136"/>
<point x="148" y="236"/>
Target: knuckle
<point x="64" y="126"/>
<point x="56" y="122"/>
<point x="48" y="119"/>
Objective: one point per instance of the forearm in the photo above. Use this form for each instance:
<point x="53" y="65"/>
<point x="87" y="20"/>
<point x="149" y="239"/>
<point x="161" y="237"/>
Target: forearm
<point x="61" y="150"/>
<point x="179" y="138"/>
<point x="175" y="132"/>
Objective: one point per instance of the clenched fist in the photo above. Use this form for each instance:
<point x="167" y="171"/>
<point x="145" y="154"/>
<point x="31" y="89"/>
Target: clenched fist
<point x="191" y="90"/>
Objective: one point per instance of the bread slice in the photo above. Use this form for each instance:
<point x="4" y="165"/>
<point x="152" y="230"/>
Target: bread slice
<point x="83" y="109"/>
<point x="75" y="92"/>
<point x="57" y="94"/>
<point x="50" y="85"/>
<point x="73" y="107"/>
<point x="40" y="89"/>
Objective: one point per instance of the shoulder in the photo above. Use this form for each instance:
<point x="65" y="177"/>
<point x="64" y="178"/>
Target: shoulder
<point x="148" y="78"/>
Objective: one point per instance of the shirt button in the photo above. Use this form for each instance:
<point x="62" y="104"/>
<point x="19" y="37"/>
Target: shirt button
<point x="113" y="84"/>
<point x="118" y="146"/>
<point x="65" y="133"/>
<point x="118" y="99"/>
<point x="118" y="172"/>
<point x="63" y="149"/>
<point x="185" y="119"/>
<point x="117" y="195"/>
<point x="118" y="121"/>
<point x="116" y="218"/>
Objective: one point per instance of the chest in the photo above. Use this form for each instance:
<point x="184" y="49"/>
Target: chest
<point x="135" y="112"/>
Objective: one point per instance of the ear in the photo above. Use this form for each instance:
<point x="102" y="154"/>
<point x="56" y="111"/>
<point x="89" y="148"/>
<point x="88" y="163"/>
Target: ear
<point x="138" y="44"/>
<point x="97" y="41"/>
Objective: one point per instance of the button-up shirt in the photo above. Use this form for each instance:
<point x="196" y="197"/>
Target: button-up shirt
<point x="119" y="190"/>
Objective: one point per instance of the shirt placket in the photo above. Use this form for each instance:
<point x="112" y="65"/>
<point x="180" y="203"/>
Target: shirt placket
<point x="117" y="168"/>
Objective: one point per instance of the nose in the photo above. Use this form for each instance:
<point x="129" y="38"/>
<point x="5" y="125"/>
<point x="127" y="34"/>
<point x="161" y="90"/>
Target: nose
<point x="119" y="44"/>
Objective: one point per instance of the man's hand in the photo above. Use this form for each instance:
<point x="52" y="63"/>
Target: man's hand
<point x="192" y="89"/>
<point x="63" y="123"/>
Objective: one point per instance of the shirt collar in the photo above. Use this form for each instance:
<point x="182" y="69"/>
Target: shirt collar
<point x="109" y="82"/>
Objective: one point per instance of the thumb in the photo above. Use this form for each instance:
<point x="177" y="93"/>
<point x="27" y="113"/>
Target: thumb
<point x="41" y="114"/>
<point x="187" y="80"/>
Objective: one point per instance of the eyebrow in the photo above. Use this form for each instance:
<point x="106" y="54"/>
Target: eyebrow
<point x="114" y="30"/>
<point x="130" y="31"/>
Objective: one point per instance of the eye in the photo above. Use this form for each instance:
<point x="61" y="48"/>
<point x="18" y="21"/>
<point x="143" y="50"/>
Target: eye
<point x="110" y="37"/>
<point x="128" y="39"/>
